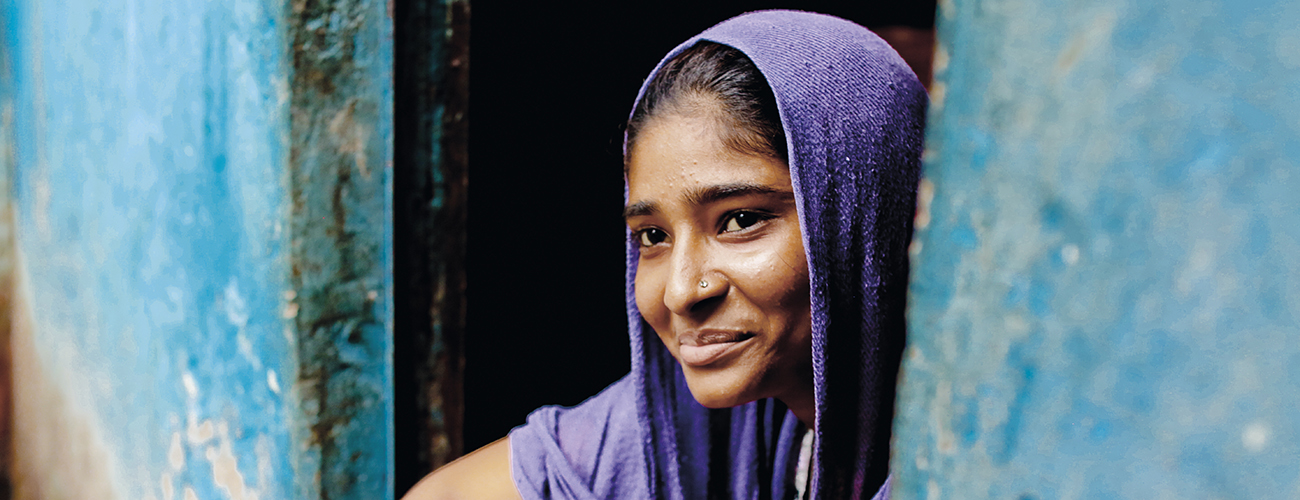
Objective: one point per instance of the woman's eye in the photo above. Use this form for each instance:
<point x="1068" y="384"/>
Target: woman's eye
<point x="741" y="220"/>
<point x="651" y="237"/>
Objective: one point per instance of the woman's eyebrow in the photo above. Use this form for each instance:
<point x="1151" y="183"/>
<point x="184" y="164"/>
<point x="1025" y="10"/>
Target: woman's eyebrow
<point x="640" y="209"/>
<point x="709" y="194"/>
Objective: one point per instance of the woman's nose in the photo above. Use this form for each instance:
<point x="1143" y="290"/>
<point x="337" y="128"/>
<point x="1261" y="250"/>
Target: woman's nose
<point x="693" y="282"/>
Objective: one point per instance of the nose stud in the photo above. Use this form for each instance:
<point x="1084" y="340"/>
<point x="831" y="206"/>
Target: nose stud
<point x="704" y="284"/>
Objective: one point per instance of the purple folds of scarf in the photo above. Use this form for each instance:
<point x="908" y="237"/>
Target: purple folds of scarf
<point x="853" y="114"/>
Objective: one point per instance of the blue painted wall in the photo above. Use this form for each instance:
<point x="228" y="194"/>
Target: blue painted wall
<point x="1105" y="297"/>
<point x="204" y="217"/>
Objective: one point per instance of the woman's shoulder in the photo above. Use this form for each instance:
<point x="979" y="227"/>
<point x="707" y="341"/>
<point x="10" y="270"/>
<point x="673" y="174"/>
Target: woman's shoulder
<point x="483" y="474"/>
<point x="612" y="404"/>
<point x="578" y="447"/>
<point x="595" y="446"/>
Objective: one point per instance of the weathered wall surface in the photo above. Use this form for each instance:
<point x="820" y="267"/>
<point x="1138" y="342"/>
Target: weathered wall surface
<point x="202" y="190"/>
<point x="1105" y="297"/>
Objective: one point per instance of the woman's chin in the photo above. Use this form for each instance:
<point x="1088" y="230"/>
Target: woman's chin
<point x="717" y="390"/>
<point x="716" y="402"/>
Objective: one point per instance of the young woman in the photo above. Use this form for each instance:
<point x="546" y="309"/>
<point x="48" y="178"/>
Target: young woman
<point x="771" y="167"/>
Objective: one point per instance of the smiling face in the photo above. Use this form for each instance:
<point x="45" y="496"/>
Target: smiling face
<point x="722" y="277"/>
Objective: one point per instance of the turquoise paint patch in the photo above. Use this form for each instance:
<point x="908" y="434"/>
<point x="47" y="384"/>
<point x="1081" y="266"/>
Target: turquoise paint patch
<point x="1113" y="251"/>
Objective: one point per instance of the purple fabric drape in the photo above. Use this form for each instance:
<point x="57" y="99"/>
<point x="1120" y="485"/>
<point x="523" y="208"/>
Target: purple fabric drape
<point x="853" y="114"/>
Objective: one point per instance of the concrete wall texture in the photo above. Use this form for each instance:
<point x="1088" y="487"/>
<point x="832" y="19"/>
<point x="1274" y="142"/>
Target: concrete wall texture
<point x="1105" y="297"/>
<point x="202" y="190"/>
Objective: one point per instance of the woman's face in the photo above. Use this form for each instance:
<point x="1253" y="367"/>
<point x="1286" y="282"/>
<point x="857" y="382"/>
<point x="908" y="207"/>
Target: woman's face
<point x="722" y="279"/>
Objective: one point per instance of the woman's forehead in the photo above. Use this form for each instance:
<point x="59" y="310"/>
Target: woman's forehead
<point x="679" y="159"/>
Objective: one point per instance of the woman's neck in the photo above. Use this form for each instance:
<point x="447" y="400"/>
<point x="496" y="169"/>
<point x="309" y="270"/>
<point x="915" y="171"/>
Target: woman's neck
<point x="804" y="406"/>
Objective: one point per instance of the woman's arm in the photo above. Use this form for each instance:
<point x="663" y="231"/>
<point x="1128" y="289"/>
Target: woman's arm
<point x="481" y="475"/>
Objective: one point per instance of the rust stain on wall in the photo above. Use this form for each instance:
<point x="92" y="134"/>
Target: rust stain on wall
<point x="339" y="182"/>
<point x="350" y="136"/>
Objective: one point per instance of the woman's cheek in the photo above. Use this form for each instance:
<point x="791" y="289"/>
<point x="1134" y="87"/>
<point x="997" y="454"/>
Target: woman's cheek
<point x="649" y="294"/>
<point x="765" y="276"/>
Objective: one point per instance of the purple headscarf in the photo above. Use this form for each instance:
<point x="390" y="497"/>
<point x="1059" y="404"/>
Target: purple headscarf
<point x="853" y="114"/>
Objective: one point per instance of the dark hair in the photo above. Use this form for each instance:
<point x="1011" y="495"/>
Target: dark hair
<point x="722" y="83"/>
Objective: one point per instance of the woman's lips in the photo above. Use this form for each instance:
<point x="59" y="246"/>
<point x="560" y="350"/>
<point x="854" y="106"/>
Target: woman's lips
<point x="707" y="347"/>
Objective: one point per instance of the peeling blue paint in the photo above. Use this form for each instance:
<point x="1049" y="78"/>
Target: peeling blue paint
<point x="182" y="296"/>
<point x="1106" y="287"/>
